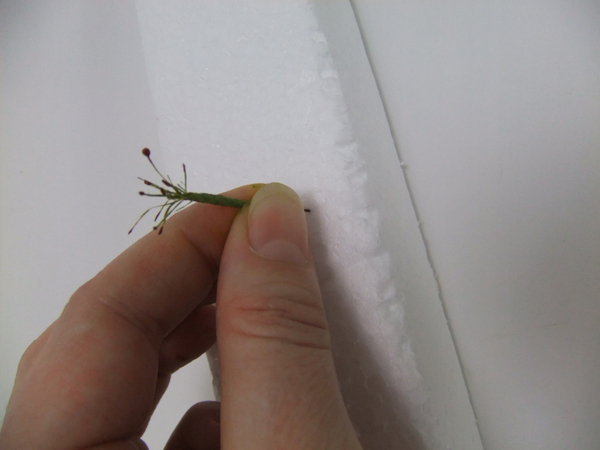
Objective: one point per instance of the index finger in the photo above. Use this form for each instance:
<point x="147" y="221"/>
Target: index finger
<point x="160" y="279"/>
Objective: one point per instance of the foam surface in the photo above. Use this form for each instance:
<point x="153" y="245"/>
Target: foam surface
<point x="249" y="92"/>
<point x="242" y="92"/>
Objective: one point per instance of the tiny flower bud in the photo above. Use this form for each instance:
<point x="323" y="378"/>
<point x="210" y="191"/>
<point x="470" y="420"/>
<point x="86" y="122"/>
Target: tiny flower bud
<point x="146" y="152"/>
<point x="165" y="182"/>
<point x="142" y="193"/>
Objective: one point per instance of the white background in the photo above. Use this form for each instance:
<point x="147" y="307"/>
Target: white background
<point x="495" y="108"/>
<point x="495" y="112"/>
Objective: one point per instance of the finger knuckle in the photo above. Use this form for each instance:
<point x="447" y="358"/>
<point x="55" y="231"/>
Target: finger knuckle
<point x="286" y="312"/>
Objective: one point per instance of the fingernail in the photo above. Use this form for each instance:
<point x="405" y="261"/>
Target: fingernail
<point x="277" y="226"/>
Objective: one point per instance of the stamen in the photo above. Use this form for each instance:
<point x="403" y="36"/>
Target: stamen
<point x="177" y="197"/>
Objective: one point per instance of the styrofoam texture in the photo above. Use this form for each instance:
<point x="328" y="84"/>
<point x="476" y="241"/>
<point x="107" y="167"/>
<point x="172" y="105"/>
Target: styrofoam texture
<point x="76" y="111"/>
<point x="248" y="92"/>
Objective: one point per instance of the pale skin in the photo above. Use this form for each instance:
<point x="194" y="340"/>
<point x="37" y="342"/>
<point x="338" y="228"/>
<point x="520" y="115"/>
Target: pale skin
<point x="94" y="377"/>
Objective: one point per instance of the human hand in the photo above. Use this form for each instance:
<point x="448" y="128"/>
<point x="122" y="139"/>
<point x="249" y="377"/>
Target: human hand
<point x="94" y="377"/>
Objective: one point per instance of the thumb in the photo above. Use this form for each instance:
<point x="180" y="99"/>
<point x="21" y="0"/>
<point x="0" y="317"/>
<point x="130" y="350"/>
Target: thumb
<point x="279" y="388"/>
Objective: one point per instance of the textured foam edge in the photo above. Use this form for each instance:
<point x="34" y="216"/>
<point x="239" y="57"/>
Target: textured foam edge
<point x="447" y="419"/>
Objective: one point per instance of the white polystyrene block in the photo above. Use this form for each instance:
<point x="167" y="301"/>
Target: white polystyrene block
<point x="250" y="92"/>
<point x="241" y="92"/>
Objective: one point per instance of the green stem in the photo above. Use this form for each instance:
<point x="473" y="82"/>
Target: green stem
<point x="214" y="199"/>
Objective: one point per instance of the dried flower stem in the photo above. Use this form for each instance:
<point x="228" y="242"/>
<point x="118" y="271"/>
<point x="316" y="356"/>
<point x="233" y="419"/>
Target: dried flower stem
<point x="177" y="197"/>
